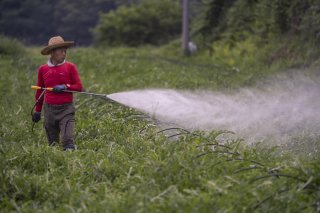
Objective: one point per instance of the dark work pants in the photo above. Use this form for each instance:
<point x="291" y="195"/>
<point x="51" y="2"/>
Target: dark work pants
<point x="60" y="120"/>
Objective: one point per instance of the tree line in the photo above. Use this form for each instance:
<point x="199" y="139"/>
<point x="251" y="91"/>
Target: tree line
<point x="33" y="21"/>
<point x="139" y="22"/>
<point x="129" y="22"/>
<point x="236" y="19"/>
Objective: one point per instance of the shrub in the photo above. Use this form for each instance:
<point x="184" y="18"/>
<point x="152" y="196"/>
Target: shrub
<point x="10" y="46"/>
<point x="149" y="22"/>
<point x="236" y="19"/>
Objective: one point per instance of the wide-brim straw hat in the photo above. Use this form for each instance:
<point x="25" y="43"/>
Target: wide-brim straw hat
<point x="56" y="42"/>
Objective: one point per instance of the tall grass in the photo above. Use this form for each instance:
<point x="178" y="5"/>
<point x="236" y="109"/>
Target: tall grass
<point x="124" y="163"/>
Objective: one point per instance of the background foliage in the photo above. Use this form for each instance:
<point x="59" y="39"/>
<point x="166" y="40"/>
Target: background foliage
<point x="150" y="22"/>
<point x="11" y="47"/>
<point x="34" y="21"/>
<point x="236" y="19"/>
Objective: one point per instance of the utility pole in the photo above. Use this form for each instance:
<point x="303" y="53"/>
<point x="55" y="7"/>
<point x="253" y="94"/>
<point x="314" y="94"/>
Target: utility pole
<point x="185" y="27"/>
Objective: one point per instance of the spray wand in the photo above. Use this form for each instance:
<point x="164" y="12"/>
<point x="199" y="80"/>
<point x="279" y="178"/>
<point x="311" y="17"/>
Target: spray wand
<point x="70" y="91"/>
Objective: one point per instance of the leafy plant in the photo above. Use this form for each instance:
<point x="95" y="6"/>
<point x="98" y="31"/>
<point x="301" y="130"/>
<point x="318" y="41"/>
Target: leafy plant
<point x="236" y="19"/>
<point x="11" y="47"/>
<point x="126" y="161"/>
<point x="149" y="22"/>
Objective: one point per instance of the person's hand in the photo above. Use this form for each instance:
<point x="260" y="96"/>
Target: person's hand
<point x="36" y="117"/>
<point x="59" y="88"/>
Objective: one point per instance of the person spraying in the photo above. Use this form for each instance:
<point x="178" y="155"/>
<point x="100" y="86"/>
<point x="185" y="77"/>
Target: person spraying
<point x="59" y="111"/>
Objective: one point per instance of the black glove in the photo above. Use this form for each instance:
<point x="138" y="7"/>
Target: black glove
<point x="36" y="117"/>
<point x="59" y="88"/>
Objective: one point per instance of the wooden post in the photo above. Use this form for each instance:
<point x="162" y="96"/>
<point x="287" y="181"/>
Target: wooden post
<point x="185" y="27"/>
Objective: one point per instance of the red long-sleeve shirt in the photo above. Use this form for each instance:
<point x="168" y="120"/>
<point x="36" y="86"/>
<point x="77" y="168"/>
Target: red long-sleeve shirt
<point x="50" y="76"/>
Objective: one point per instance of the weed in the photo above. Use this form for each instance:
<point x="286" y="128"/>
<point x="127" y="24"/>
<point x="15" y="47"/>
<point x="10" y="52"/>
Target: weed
<point x="125" y="162"/>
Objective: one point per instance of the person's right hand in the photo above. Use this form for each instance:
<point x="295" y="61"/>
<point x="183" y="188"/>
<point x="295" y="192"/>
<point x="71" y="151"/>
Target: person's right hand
<point x="36" y="117"/>
<point x="59" y="88"/>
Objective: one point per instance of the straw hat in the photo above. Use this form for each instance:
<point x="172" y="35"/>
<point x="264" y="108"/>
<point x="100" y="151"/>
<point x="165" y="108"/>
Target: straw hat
<point x="56" y="42"/>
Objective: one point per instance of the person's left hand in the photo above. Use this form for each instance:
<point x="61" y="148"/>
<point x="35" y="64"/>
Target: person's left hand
<point x="36" y="117"/>
<point x="59" y="88"/>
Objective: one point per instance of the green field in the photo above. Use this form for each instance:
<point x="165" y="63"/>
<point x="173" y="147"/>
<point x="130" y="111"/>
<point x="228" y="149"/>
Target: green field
<point x="124" y="163"/>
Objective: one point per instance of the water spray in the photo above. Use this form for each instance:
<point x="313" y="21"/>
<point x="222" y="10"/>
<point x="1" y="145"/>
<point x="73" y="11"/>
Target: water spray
<point x="280" y="110"/>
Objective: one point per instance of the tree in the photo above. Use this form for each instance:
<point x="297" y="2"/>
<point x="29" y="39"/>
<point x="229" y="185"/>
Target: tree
<point x="34" y="21"/>
<point x="236" y="19"/>
<point x="149" y="22"/>
<point x="74" y="19"/>
<point x="28" y="20"/>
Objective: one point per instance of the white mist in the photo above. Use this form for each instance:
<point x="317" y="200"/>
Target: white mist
<point x="278" y="110"/>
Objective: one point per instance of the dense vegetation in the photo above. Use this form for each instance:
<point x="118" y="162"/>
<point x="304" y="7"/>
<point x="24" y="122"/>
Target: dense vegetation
<point x="34" y="21"/>
<point x="150" y="22"/>
<point x="124" y="163"/>
<point x="11" y="47"/>
<point x="237" y="19"/>
<point x="129" y="162"/>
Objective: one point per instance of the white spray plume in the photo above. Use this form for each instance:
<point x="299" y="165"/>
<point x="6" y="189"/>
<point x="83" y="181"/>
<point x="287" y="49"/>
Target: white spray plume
<point x="278" y="110"/>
